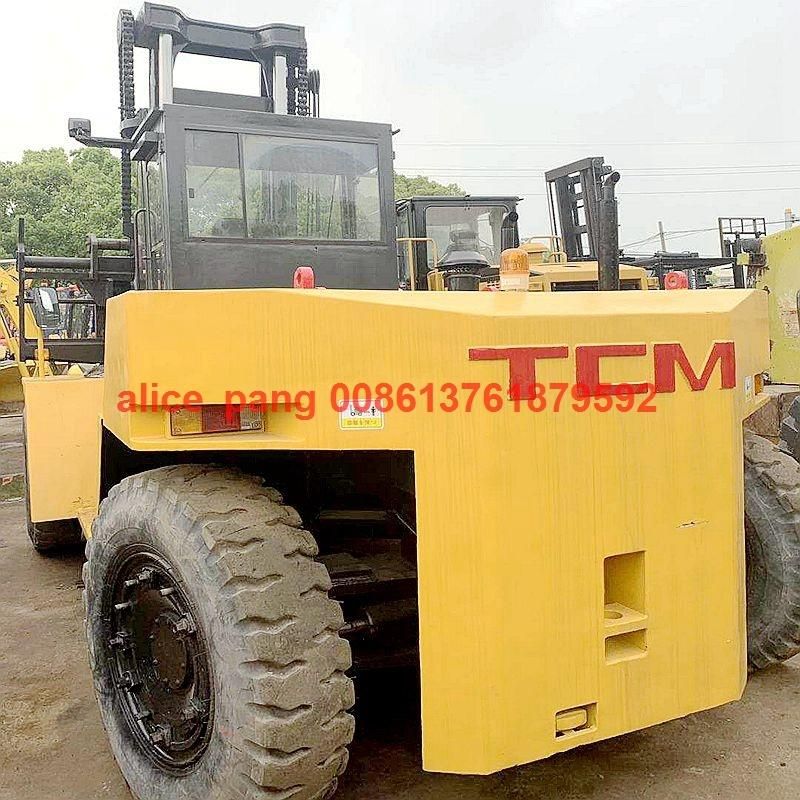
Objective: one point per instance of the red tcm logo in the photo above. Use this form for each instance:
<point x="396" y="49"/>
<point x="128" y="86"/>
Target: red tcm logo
<point x="667" y="358"/>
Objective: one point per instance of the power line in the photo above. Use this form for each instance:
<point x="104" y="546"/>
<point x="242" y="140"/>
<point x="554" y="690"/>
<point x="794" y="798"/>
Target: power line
<point x="692" y="191"/>
<point x="645" y="241"/>
<point x="595" y="144"/>
<point x="719" y="191"/>
<point x="713" y="168"/>
<point x="750" y="169"/>
<point x="670" y="235"/>
<point x="521" y="174"/>
<point x="680" y="234"/>
<point x="717" y="166"/>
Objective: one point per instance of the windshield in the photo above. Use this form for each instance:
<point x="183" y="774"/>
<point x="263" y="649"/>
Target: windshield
<point x="269" y="187"/>
<point x="475" y="228"/>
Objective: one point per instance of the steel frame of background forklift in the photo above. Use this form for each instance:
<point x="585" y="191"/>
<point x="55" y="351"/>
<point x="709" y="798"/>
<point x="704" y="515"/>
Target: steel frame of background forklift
<point x="549" y="615"/>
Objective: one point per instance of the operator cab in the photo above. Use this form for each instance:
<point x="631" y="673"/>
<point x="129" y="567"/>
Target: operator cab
<point x="237" y="198"/>
<point x="456" y="235"/>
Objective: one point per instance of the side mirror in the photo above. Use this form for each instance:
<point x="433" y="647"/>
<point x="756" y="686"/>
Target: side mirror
<point x="79" y="128"/>
<point x="46" y="310"/>
<point x="46" y="297"/>
<point x="509" y="232"/>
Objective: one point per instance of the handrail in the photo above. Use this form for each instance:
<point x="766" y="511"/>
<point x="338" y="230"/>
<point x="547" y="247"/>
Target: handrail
<point x="559" y="253"/>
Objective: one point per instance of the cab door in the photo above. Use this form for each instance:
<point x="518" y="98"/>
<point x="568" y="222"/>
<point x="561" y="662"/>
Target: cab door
<point x="150" y="228"/>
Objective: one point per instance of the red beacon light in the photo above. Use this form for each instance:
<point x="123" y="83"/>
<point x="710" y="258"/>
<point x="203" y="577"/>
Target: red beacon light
<point x="676" y="280"/>
<point x="304" y="278"/>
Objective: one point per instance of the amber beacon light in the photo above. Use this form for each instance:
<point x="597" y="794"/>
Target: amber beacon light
<point x="514" y="270"/>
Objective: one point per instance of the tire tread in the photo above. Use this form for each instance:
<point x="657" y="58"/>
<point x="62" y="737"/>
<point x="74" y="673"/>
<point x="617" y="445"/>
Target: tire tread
<point x="772" y="497"/>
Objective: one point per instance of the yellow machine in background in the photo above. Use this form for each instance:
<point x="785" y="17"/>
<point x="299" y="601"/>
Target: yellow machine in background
<point x="550" y="271"/>
<point x="773" y="264"/>
<point x="780" y="278"/>
<point x="12" y="368"/>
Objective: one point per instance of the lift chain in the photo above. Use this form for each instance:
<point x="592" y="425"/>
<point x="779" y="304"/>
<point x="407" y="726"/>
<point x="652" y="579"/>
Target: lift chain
<point x="297" y="85"/>
<point x="127" y="108"/>
<point x="125" y="25"/>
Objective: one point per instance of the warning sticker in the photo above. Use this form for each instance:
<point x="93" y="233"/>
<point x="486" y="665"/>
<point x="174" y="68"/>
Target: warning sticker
<point x="354" y="417"/>
<point x="790" y="322"/>
<point x="749" y="388"/>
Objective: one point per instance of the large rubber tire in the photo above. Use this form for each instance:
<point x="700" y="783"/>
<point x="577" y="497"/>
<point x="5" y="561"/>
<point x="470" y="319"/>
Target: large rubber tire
<point x="280" y="725"/>
<point x="772" y="540"/>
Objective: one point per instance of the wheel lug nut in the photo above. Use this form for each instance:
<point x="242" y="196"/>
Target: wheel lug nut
<point x="161" y="733"/>
<point x="193" y="711"/>
<point x="184" y="625"/>
<point x="129" y="681"/>
<point x="145" y="576"/>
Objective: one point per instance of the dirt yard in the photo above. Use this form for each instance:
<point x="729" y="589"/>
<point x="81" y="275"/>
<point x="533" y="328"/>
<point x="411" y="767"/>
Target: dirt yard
<point x="52" y="745"/>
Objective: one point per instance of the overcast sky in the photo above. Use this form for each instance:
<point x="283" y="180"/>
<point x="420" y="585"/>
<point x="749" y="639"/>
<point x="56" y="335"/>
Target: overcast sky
<point x="694" y="102"/>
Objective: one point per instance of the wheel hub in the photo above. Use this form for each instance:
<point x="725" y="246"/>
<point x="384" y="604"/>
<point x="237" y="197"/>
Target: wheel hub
<point x="158" y="660"/>
<point x="170" y="655"/>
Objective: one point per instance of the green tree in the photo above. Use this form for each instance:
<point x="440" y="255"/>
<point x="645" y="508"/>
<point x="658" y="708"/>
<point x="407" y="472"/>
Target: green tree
<point x="63" y="197"/>
<point x="405" y="186"/>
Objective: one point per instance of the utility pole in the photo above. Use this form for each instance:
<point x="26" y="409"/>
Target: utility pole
<point x="661" y="236"/>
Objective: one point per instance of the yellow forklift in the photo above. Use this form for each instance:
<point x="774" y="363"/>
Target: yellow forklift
<point x="280" y="485"/>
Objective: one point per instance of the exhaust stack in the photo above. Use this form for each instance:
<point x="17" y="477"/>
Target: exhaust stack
<point x="608" y="251"/>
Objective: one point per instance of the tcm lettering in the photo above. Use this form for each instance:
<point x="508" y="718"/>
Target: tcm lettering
<point x="667" y="360"/>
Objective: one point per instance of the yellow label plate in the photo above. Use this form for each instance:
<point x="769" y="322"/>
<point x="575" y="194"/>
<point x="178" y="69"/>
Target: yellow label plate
<point x="356" y="417"/>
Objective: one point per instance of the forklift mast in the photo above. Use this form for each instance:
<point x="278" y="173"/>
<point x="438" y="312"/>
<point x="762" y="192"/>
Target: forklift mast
<point x="279" y="50"/>
<point x="574" y="192"/>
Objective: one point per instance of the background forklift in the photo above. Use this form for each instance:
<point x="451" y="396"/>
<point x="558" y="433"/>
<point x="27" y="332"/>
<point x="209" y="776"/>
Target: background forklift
<point x="221" y="628"/>
<point x="455" y="235"/>
<point x="48" y="312"/>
